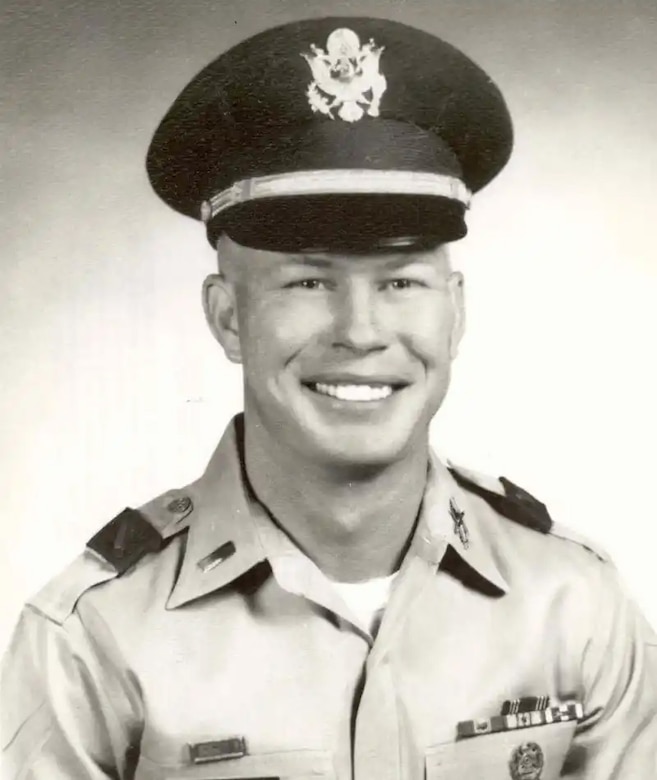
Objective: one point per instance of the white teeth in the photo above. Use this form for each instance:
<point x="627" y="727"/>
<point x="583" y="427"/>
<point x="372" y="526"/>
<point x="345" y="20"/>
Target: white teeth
<point x="354" y="392"/>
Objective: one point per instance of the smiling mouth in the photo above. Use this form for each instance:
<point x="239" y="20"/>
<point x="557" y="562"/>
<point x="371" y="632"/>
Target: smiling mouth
<point x="362" y="393"/>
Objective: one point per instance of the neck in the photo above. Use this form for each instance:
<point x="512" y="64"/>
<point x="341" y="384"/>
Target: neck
<point x="355" y="524"/>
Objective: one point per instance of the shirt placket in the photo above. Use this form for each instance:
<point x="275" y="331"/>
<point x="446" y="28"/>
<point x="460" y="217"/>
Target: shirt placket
<point x="383" y="745"/>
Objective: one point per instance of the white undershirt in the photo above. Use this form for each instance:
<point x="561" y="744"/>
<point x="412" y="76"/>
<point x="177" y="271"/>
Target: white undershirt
<point x="367" y="600"/>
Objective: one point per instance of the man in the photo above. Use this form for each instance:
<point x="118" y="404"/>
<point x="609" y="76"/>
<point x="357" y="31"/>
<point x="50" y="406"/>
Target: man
<point x="329" y="599"/>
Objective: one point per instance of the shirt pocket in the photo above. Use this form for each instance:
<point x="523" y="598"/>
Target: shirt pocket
<point x="285" y="765"/>
<point x="521" y="754"/>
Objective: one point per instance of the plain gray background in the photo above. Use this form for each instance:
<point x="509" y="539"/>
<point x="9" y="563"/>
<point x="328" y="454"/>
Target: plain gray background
<point x="112" y="391"/>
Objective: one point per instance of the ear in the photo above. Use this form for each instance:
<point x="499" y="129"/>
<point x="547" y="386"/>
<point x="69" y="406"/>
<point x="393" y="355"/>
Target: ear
<point x="457" y="294"/>
<point x="220" y="306"/>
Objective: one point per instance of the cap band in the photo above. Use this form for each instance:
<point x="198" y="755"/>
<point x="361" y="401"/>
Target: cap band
<point x="337" y="182"/>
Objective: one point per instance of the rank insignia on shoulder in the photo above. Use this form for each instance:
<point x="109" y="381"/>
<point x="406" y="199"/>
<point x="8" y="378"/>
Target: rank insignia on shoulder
<point x="572" y="711"/>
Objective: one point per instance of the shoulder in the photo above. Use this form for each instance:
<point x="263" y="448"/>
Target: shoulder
<point x="517" y="505"/>
<point x="545" y="563"/>
<point x="129" y="540"/>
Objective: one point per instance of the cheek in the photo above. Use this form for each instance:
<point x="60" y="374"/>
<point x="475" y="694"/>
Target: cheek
<point x="281" y="326"/>
<point x="426" y="328"/>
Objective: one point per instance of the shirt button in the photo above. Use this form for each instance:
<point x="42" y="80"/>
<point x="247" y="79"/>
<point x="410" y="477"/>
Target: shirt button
<point x="179" y="505"/>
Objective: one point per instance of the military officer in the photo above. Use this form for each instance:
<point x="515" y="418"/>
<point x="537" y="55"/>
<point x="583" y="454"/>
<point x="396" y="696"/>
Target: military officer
<point x="329" y="599"/>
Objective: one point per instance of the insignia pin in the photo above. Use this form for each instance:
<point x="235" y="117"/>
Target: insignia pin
<point x="460" y="528"/>
<point x="180" y="505"/>
<point x="346" y="77"/>
<point x="527" y="762"/>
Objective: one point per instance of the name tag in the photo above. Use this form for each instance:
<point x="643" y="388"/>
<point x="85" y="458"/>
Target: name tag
<point x="218" y="750"/>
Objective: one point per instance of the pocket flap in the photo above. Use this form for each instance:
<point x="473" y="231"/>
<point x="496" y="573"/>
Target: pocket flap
<point x="521" y="754"/>
<point x="285" y="765"/>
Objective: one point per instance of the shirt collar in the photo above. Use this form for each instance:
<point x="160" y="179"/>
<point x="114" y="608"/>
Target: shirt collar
<point x="223" y="542"/>
<point x="230" y="531"/>
<point x="448" y="515"/>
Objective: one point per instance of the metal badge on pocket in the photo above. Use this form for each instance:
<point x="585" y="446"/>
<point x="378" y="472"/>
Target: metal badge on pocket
<point x="527" y="762"/>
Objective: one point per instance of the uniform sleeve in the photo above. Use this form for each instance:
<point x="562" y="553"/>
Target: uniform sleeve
<point x="618" y="737"/>
<point x="69" y="709"/>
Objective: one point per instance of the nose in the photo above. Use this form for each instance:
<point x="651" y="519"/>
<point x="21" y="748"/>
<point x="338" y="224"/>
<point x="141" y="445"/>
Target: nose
<point x="358" y="321"/>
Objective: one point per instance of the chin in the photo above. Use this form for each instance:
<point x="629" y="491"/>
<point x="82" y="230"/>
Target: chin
<point x="338" y="437"/>
<point x="358" y="449"/>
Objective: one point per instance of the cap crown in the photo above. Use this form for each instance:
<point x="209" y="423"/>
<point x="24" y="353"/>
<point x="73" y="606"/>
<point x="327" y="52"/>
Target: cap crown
<point x="339" y="93"/>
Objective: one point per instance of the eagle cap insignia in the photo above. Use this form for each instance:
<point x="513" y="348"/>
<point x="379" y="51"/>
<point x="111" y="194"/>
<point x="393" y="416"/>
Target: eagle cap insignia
<point x="527" y="762"/>
<point x="346" y="77"/>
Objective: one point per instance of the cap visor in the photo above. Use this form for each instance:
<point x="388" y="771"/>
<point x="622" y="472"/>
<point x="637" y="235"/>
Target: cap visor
<point x="350" y="223"/>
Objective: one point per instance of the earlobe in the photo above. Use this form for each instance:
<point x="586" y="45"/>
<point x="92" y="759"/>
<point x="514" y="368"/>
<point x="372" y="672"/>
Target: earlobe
<point x="219" y="305"/>
<point x="456" y="286"/>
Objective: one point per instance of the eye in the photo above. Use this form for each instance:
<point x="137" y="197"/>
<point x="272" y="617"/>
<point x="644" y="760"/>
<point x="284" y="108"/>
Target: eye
<point x="403" y="284"/>
<point x="307" y="284"/>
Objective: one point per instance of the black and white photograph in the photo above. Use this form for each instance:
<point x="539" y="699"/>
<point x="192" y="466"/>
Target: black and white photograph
<point x="327" y="414"/>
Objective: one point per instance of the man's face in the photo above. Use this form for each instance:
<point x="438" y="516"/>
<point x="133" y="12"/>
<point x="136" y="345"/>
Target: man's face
<point x="346" y="358"/>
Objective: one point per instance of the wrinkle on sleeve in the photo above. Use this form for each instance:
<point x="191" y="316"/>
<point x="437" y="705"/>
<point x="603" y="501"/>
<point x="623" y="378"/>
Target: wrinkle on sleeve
<point x="70" y="708"/>
<point x="618" y="736"/>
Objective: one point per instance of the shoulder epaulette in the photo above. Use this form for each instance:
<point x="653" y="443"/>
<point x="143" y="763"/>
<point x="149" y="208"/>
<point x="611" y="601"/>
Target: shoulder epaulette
<point x="113" y="550"/>
<point x="565" y="533"/>
<point x="506" y="498"/>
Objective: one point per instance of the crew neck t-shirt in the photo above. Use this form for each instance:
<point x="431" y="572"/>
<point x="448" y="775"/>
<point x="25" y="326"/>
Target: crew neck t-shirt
<point x="368" y="599"/>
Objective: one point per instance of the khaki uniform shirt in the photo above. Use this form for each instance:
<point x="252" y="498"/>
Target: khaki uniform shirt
<point x="228" y="654"/>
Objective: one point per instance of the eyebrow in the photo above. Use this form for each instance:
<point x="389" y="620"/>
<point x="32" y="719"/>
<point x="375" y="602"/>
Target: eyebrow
<point x="398" y="261"/>
<point x="318" y="261"/>
<point x="313" y="260"/>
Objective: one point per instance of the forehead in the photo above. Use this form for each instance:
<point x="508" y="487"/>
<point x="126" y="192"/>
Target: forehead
<point x="249" y="262"/>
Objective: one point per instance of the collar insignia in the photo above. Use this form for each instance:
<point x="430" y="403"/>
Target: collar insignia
<point x="346" y="77"/>
<point x="460" y="528"/>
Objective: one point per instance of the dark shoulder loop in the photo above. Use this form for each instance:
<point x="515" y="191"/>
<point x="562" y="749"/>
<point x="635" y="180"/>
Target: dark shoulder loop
<point x="133" y="533"/>
<point x="514" y="503"/>
<point x="113" y="550"/>
<point x="125" y="540"/>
